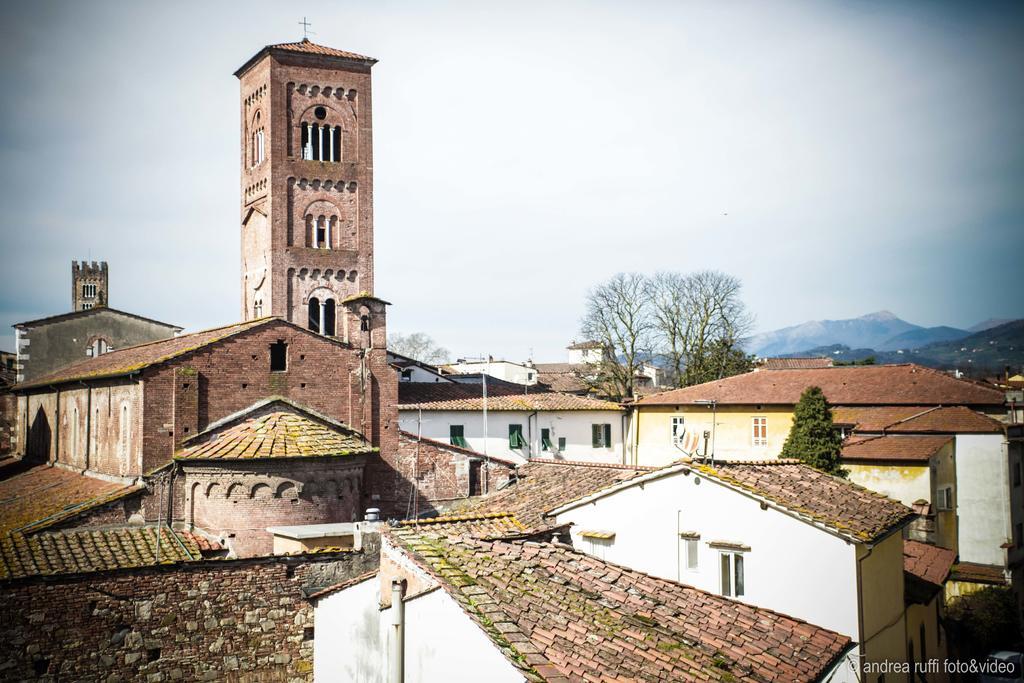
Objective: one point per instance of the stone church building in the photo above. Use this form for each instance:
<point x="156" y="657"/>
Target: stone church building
<point x="290" y="414"/>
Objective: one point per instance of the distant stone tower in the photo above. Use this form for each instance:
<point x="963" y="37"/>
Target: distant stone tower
<point x="307" y="184"/>
<point x="88" y="285"/>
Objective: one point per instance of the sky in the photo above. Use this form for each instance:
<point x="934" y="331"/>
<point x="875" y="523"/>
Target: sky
<point x="837" y="157"/>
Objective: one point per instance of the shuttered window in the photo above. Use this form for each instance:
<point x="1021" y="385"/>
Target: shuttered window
<point x="457" y="435"/>
<point x="515" y="436"/>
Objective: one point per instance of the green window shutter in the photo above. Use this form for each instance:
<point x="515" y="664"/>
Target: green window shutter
<point x="561" y="443"/>
<point x="545" y="439"/>
<point x="456" y="435"/>
<point x="607" y="436"/>
<point x="595" y="436"/>
<point x="515" y="436"/>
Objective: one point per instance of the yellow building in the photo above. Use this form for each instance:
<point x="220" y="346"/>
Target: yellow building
<point x="748" y="417"/>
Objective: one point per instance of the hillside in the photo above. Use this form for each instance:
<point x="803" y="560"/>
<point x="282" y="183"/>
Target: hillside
<point x="989" y="350"/>
<point x="923" y="336"/>
<point x="868" y="331"/>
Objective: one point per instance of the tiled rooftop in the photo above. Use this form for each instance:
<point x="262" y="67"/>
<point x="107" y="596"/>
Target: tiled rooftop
<point x="894" y="447"/>
<point x="978" y="573"/>
<point x="44" y="495"/>
<point x="484" y="525"/>
<point x="134" y="358"/>
<point x="927" y="562"/>
<point x="457" y="396"/>
<point x="833" y="502"/>
<point x="917" y="419"/>
<point x="544" y="485"/>
<point x="274" y="429"/>
<point x="305" y="46"/>
<point x="92" y="550"/>
<point x="560" y="615"/>
<point x="794" y="363"/>
<point x="846" y="385"/>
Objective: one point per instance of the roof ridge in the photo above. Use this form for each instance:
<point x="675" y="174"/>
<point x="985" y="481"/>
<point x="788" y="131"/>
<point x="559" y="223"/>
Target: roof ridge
<point x="584" y="463"/>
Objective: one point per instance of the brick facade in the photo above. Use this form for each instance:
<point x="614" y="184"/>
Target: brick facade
<point x="228" y="620"/>
<point x="284" y="90"/>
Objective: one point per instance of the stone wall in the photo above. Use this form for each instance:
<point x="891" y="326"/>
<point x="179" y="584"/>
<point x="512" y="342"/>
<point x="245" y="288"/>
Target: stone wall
<point x="226" y="620"/>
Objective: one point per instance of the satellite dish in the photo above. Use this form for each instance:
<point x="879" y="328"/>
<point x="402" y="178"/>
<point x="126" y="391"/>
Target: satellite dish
<point x="690" y="442"/>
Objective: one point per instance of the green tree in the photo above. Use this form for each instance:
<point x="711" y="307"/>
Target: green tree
<point x="813" y="439"/>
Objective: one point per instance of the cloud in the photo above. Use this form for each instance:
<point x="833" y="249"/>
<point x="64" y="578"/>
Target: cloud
<point x="868" y="156"/>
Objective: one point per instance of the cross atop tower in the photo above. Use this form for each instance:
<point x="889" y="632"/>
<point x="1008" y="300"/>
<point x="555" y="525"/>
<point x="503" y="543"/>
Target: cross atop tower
<point x="305" y="28"/>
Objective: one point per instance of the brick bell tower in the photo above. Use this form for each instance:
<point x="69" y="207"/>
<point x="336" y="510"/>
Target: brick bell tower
<point x="307" y="185"/>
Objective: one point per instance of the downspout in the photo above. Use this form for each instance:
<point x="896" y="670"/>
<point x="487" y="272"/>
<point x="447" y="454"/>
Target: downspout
<point x="625" y="433"/>
<point x="396" y="656"/>
<point x="860" y="604"/>
<point x="535" y="447"/>
<point x="56" y="428"/>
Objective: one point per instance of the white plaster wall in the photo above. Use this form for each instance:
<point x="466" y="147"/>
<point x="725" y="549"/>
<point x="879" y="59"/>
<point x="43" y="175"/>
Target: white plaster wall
<point x="347" y="643"/>
<point x="443" y="644"/>
<point x="502" y="369"/>
<point x="791" y="566"/>
<point x="573" y="425"/>
<point x="982" y="497"/>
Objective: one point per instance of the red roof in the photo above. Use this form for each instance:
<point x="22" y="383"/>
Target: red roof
<point x="846" y="385"/>
<point x="458" y="396"/>
<point x="793" y="363"/>
<point x="543" y="485"/>
<point x="560" y="615"/>
<point x="928" y="562"/>
<point x="306" y="47"/>
<point x="902" y="447"/>
<point x="917" y="419"/>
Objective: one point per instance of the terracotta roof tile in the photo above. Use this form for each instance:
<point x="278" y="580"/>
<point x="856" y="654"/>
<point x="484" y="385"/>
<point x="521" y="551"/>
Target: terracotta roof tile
<point x="91" y="550"/>
<point x="310" y="48"/>
<point x="274" y="428"/>
<point x="899" y="447"/>
<point x="560" y="615"/>
<point x="542" y="485"/>
<point x="482" y="525"/>
<point x="973" y="572"/>
<point x="45" y="495"/>
<point x="457" y="396"/>
<point x="846" y="385"/>
<point x="927" y="562"/>
<point x="917" y="419"/>
<point x="833" y="502"/>
<point x="794" y="363"/>
<point x="134" y="358"/>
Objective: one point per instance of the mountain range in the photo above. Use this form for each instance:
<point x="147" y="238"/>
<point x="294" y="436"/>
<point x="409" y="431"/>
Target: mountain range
<point x="991" y="344"/>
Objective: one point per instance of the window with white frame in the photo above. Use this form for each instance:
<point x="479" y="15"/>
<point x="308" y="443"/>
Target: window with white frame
<point x="945" y="498"/>
<point x="678" y="429"/>
<point x="86" y="306"/>
<point x="601" y="435"/>
<point x="759" y="431"/>
<point x="731" y="573"/>
<point x="89" y="291"/>
<point x="689" y="551"/>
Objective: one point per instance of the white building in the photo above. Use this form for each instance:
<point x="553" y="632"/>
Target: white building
<point x="448" y="607"/>
<point x="412" y="370"/>
<point x="774" y="534"/>
<point x="971" y="497"/>
<point x="519" y="373"/>
<point x="519" y="425"/>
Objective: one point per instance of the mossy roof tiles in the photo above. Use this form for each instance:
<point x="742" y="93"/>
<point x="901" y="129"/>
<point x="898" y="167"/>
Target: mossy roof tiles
<point x="560" y="615"/>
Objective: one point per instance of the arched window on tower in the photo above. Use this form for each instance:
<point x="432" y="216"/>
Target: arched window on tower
<point x="323" y="233"/>
<point x="257" y="308"/>
<point x="314" y="315"/>
<point x="329" y="317"/>
<point x="258" y="141"/>
<point x="320" y="141"/>
<point x="98" y="347"/>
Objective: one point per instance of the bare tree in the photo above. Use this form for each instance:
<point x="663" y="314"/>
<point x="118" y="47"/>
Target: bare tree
<point x="699" y="321"/>
<point x="418" y="346"/>
<point x="618" y="316"/>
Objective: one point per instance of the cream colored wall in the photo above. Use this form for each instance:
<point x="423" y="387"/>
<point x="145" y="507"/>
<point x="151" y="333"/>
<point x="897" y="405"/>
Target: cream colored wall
<point x="881" y="593"/>
<point x="905" y="483"/>
<point x="733" y="431"/>
<point x="935" y="642"/>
